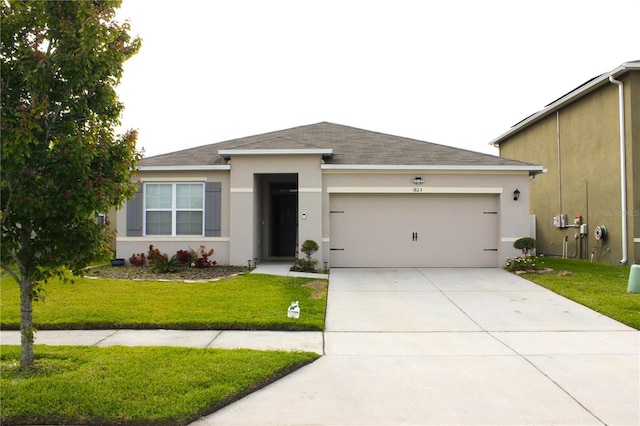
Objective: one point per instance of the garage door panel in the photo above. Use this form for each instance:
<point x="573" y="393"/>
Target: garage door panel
<point x="409" y="230"/>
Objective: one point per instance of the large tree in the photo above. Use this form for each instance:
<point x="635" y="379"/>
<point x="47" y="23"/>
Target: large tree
<point x="62" y="162"/>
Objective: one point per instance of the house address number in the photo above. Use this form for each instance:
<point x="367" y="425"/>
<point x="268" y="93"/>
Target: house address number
<point x="417" y="189"/>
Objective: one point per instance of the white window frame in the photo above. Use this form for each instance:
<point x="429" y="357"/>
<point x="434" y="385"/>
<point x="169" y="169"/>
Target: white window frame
<point x="174" y="210"/>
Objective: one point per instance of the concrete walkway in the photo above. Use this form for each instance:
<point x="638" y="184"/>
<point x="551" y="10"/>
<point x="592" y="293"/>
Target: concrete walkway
<point x="452" y="347"/>
<point x="311" y="341"/>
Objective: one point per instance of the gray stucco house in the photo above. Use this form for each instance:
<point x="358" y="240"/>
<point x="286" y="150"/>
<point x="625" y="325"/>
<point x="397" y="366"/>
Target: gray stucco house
<point x="368" y="199"/>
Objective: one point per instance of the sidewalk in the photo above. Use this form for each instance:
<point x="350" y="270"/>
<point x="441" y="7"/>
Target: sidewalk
<point x="283" y="269"/>
<point x="311" y="341"/>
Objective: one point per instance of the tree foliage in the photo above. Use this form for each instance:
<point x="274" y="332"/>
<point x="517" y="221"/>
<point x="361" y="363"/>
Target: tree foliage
<point x="62" y="162"/>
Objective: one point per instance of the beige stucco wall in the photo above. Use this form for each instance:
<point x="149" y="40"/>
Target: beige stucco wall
<point x="579" y="145"/>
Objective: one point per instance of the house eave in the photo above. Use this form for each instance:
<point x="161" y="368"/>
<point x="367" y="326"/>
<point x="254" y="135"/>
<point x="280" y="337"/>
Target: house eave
<point x="182" y="168"/>
<point x="567" y="99"/>
<point x="531" y="169"/>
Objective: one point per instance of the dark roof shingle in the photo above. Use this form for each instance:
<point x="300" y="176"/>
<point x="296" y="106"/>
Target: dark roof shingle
<point x="351" y="146"/>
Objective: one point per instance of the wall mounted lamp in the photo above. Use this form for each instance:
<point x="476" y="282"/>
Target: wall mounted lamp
<point x="417" y="180"/>
<point x="516" y="195"/>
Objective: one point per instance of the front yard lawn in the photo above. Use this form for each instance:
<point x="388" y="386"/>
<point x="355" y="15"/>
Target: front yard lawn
<point x="245" y="302"/>
<point x="133" y="385"/>
<point x="150" y="385"/>
<point x="600" y="287"/>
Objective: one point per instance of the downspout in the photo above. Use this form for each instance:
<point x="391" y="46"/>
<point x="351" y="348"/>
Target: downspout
<point x="623" y="169"/>
<point x="559" y="162"/>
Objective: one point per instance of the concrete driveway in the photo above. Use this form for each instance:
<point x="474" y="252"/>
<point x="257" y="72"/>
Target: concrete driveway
<point x="452" y="347"/>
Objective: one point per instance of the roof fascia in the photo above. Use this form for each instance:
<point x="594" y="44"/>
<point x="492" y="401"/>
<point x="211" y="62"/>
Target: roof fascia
<point x="532" y="169"/>
<point x="227" y="153"/>
<point x="567" y="99"/>
<point x="182" y="168"/>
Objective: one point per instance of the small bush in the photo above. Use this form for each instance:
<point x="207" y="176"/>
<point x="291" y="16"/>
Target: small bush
<point x="137" y="259"/>
<point x="165" y="265"/>
<point x="153" y="254"/>
<point x="306" y="265"/>
<point x="308" y="248"/>
<point x="523" y="263"/>
<point x="525" y="244"/>
<point x="202" y="260"/>
<point x="186" y="257"/>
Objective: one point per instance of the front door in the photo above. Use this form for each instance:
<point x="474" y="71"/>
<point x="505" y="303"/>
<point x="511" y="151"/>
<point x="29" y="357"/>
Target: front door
<point x="283" y="219"/>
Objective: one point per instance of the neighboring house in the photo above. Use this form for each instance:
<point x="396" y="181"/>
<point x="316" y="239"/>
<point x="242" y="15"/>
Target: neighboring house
<point x="368" y="199"/>
<point x="593" y="168"/>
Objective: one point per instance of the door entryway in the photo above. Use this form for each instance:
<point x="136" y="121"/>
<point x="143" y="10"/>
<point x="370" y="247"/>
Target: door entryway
<point x="278" y="206"/>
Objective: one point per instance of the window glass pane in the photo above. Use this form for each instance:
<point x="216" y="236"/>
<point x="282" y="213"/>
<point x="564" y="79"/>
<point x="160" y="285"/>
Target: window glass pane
<point x="158" y="223"/>
<point x="189" y="223"/>
<point x="189" y="196"/>
<point x="158" y="196"/>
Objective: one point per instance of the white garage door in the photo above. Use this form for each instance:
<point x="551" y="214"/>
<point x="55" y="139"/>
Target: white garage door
<point x="414" y="230"/>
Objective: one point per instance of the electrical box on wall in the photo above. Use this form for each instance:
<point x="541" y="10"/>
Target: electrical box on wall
<point x="560" y="221"/>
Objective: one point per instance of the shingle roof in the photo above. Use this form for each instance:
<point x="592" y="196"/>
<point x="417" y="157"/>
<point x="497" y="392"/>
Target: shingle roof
<point x="351" y="146"/>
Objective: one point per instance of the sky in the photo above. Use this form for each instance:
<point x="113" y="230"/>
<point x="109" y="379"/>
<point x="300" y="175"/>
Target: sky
<point x="453" y="72"/>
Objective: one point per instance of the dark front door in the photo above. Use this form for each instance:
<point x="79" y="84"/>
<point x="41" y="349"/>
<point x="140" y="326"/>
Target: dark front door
<point x="284" y="220"/>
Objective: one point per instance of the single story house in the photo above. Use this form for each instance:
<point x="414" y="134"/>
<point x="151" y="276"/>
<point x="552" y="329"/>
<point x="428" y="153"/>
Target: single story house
<point x="587" y="205"/>
<point x="368" y="199"/>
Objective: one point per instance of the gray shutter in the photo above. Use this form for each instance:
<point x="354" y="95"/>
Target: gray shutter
<point x="134" y="214"/>
<point x="212" y="208"/>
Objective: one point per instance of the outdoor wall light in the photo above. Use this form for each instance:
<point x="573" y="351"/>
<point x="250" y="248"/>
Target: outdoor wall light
<point x="417" y="180"/>
<point x="516" y="195"/>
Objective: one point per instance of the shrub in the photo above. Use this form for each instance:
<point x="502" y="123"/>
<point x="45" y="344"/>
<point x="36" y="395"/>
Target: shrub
<point x="203" y="260"/>
<point x="186" y="257"/>
<point x="153" y="254"/>
<point x="163" y="264"/>
<point x="523" y="263"/>
<point x="137" y="259"/>
<point x="525" y="244"/>
<point x="308" y="248"/>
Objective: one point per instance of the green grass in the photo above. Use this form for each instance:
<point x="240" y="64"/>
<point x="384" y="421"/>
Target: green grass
<point x="246" y="302"/>
<point x="141" y="385"/>
<point x="600" y="287"/>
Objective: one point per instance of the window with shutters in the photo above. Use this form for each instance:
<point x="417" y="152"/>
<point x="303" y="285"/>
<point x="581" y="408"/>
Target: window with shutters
<point x="174" y="208"/>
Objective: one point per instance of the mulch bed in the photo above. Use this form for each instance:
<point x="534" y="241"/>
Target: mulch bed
<point x="535" y="271"/>
<point x="144" y="273"/>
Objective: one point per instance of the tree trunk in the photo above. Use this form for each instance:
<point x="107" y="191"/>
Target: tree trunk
<point x="26" y="321"/>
